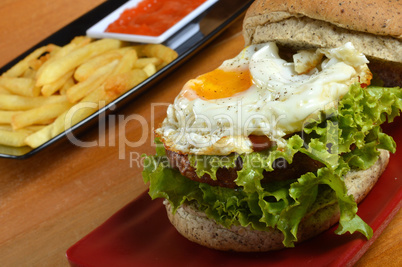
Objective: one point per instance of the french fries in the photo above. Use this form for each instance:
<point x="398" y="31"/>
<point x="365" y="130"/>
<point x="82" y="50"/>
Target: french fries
<point x="76" y="57"/>
<point x="19" y="68"/>
<point x="80" y="90"/>
<point x="51" y="88"/>
<point x="55" y="87"/>
<point x="13" y="138"/>
<point x="88" y="68"/>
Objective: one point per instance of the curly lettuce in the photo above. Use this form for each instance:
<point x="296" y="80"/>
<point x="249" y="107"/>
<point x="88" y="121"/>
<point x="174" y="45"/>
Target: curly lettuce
<point x="344" y="137"/>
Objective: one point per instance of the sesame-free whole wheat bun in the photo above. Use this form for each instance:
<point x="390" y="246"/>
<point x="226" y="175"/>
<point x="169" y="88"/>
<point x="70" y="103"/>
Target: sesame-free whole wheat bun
<point x="374" y="28"/>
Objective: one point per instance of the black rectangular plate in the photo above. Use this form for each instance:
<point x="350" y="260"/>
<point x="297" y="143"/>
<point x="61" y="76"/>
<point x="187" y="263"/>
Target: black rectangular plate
<point x="212" y="22"/>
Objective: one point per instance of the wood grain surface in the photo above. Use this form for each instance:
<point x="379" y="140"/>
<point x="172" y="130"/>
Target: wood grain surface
<point x="50" y="201"/>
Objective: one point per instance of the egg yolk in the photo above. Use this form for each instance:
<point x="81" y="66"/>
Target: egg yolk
<point x="221" y="84"/>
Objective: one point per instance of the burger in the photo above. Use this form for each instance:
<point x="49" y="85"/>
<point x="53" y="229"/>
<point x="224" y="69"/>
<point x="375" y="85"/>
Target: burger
<point x="283" y="141"/>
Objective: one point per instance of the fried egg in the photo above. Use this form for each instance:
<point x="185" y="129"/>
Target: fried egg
<point x="258" y="93"/>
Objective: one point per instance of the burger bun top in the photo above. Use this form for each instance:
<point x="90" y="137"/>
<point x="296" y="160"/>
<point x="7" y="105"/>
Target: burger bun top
<point x="374" y="28"/>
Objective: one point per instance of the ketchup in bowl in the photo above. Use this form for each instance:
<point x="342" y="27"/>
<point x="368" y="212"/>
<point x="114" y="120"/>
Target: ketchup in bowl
<point x="152" y="17"/>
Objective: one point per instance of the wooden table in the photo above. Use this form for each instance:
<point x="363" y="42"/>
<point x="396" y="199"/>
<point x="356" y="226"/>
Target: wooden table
<point x="49" y="201"/>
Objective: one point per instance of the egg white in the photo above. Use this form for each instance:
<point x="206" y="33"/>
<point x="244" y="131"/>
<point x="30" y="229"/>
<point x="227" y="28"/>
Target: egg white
<point x="282" y="96"/>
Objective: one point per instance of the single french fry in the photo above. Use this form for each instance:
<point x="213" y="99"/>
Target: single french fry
<point x="16" y="102"/>
<point x="80" y="111"/>
<point x="51" y="88"/>
<point x="126" y="62"/>
<point x="142" y="62"/>
<point x="100" y="96"/>
<point x="150" y="69"/>
<point x="81" y="40"/>
<point x="20" y="86"/>
<point x="60" y="66"/>
<point x="76" y="42"/>
<point x="40" y="137"/>
<point x="124" y="48"/>
<point x="80" y="90"/>
<point x="19" y="68"/>
<point x="89" y="67"/>
<point x="6" y="115"/>
<point x="160" y="51"/>
<point x="39" y="115"/>
<point x="118" y="84"/>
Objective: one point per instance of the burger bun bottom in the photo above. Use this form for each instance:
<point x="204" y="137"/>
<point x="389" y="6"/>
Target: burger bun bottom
<point x="197" y="227"/>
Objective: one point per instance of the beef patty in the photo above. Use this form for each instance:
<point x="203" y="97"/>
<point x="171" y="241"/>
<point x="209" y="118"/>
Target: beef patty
<point x="225" y="176"/>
